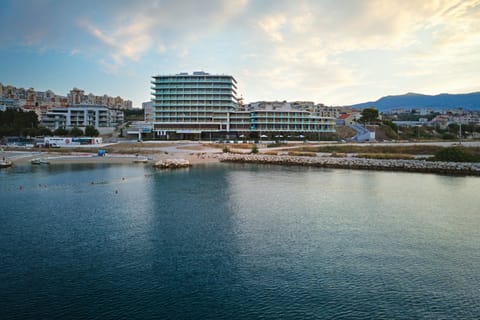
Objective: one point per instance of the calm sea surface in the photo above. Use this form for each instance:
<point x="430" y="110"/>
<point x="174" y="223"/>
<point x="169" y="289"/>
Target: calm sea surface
<point x="237" y="242"/>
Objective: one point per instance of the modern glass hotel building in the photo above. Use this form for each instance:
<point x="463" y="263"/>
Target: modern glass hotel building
<point x="206" y="106"/>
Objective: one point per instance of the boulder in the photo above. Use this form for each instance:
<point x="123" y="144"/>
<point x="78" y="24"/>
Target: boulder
<point x="172" y="164"/>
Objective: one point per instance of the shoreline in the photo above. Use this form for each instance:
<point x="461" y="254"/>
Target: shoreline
<point x="23" y="158"/>
<point x="420" y="166"/>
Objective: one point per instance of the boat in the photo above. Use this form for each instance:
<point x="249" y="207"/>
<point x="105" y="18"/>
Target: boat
<point x="40" y="161"/>
<point x="140" y="160"/>
<point x="5" y="163"/>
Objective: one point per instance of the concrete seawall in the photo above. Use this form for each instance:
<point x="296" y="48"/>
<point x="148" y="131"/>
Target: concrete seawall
<point x="453" y="168"/>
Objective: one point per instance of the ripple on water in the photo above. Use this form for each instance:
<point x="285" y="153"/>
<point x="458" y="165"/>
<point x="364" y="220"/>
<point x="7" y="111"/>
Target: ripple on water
<point x="237" y="242"/>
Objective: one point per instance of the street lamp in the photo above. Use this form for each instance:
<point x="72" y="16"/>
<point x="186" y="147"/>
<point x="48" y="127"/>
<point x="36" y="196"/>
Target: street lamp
<point x="460" y="132"/>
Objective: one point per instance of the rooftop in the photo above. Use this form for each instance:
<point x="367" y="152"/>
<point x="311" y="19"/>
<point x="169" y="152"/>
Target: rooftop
<point x="194" y="74"/>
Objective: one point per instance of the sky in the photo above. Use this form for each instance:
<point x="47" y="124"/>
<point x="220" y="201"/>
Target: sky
<point x="326" y="51"/>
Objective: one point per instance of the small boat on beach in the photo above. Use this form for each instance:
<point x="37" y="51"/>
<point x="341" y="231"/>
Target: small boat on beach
<point x="5" y="163"/>
<point x="40" y="161"/>
<point x="140" y="160"/>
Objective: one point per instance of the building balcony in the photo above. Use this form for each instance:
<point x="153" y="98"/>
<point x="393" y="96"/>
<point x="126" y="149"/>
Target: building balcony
<point x="207" y="80"/>
<point x="200" y="99"/>
<point x="168" y="87"/>
<point x="181" y="92"/>
<point x="194" y="110"/>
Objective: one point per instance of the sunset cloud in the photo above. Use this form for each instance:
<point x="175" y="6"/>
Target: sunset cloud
<point x="332" y="52"/>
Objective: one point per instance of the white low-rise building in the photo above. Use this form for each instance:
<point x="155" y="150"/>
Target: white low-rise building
<point x="82" y="116"/>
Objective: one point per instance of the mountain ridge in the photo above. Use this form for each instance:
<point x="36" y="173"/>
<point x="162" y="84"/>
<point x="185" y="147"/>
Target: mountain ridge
<point x="410" y="100"/>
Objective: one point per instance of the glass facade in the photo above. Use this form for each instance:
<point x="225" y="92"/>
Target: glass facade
<point x="200" y="102"/>
<point x="193" y="103"/>
<point x="289" y="121"/>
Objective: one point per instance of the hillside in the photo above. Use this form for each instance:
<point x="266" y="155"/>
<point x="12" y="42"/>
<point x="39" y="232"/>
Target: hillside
<point x="468" y="101"/>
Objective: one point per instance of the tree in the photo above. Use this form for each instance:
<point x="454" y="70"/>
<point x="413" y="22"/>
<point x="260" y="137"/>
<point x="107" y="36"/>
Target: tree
<point x="369" y="115"/>
<point x="390" y="124"/>
<point x="60" y="132"/>
<point x="134" y="115"/>
<point x="44" y="131"/>
<point x="453" y="128"/>
<point x="17" y="122"/>
<point x="90" y="131"/>
<point x="76" y="132"/>
<point x="29" y="132"/>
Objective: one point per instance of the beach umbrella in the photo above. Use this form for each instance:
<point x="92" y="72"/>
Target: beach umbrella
<point x="301" y="136"/>
<point x="241" y="136"/>
<point x="263" y="136"/>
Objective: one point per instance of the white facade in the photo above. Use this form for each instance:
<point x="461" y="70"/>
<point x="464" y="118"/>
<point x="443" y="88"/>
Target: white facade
<point x="82" y="116"/>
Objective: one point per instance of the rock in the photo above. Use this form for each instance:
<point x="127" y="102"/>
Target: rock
<point x="172" y="164"/>
<point x="360" y="163"/>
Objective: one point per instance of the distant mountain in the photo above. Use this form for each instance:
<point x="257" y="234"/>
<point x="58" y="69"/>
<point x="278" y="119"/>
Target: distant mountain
<point x="467" y="101"/>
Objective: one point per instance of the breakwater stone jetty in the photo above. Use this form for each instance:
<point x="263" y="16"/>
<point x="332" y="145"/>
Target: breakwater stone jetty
<point x="172" y="164"/>
<point x="453" y="168"/>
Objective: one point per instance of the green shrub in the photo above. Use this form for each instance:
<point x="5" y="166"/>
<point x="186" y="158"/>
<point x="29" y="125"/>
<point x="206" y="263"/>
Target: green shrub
<point x="389" y="130"/>
<point x="390" y="124"/>
<point x="276" y="145"/>
<point x="226" y="149"/>
<point x="386" y="156"/>
<point x="76" y="132"/>
<point x="456" y="154"/>
<point x="60" y="132"/>
<point x="91" y="131"/>
<point x="448" y="136"/>
<point x="302" y="154"/>
<point x="254" y="149"/>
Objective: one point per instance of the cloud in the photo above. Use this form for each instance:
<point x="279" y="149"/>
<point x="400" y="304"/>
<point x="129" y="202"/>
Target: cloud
<point x="307" y="48"/>
<point x="127" y="41"/>
<point x="164" y="25"/>
<point x="108" y="67"/>
<point x="271" y="25"/>
<point x="161" y="48"/>
<point x="325" y="45"/>
<point x="450" y="46"/>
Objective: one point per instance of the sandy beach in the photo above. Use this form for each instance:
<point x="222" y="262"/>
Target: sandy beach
<point x="25" y="157"/>
<point x="199" y="154"/>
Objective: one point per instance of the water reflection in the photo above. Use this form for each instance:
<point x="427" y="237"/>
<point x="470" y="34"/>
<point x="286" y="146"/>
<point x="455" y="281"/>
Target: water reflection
<point x="310" y="233"/>
<point x="237" y="242"/>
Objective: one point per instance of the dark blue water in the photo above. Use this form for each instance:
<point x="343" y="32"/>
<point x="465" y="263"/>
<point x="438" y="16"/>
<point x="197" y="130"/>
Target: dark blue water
<point x="237" y="242"/>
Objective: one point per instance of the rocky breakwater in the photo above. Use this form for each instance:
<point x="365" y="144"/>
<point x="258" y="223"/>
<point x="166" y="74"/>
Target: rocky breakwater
<point x="172" y="164"/>
<point x="455" y="168"/>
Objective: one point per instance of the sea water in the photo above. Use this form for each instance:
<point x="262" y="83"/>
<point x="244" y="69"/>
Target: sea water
<point x="237" y="242"/>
